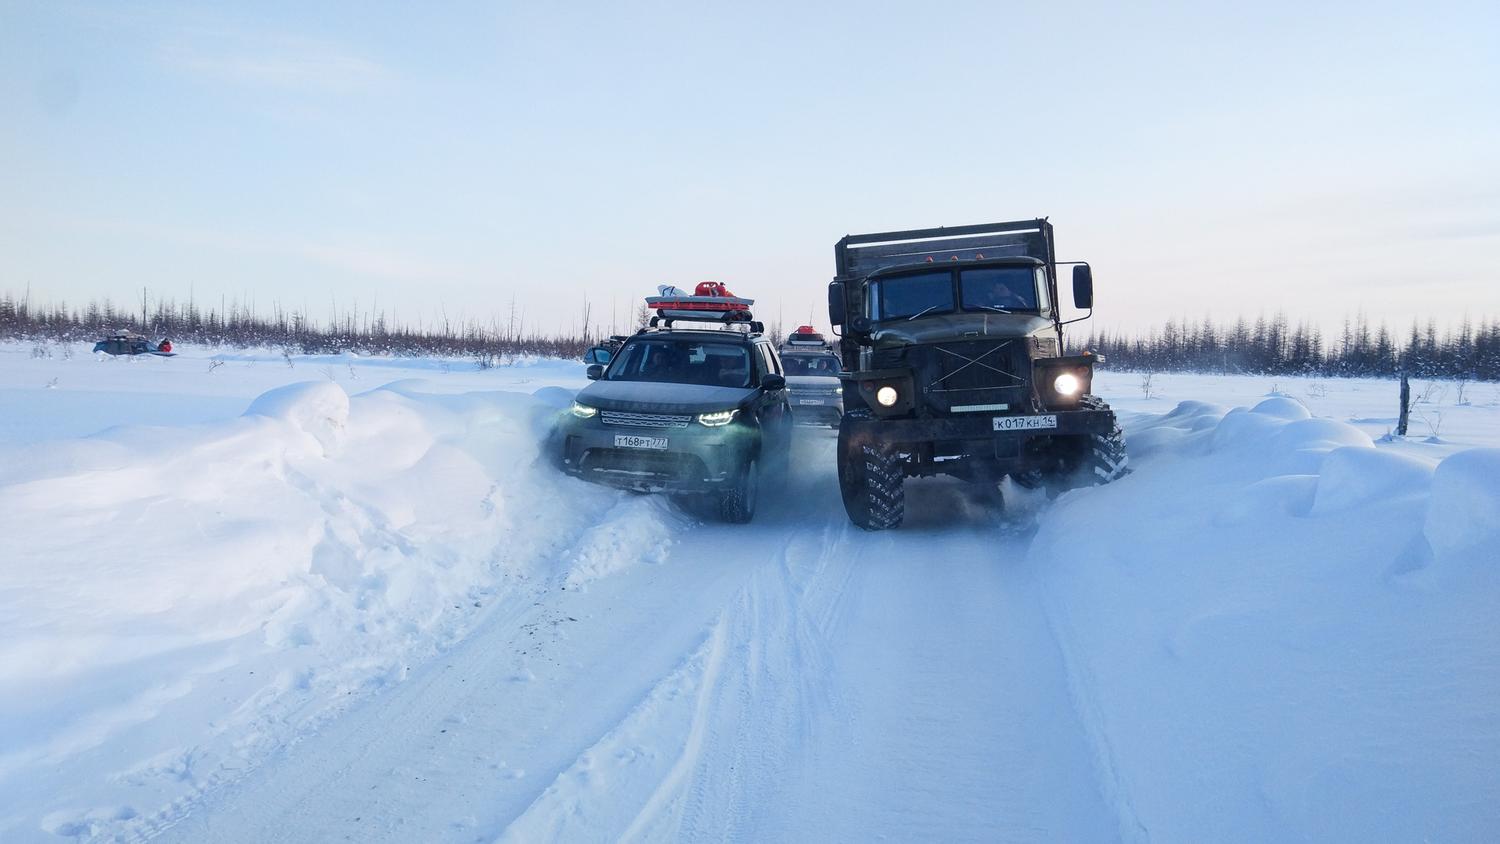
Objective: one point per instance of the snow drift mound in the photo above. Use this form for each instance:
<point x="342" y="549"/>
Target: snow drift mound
<point x="176" y="602"/>
<point x="318" y="408"/>
<point x="1463" y="520"/>
<point x="1256" y="641"/>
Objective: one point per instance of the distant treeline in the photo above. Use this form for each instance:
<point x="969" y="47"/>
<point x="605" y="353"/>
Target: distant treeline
<point x="237" y="326"/>
<point x="1265" y="346"/>
<point x="1270" y="346"/>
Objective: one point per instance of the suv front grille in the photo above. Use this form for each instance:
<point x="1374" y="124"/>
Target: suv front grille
<point x="644" y="420"/>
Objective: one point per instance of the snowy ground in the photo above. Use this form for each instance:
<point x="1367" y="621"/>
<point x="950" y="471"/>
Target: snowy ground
<point x="247" y="601"/>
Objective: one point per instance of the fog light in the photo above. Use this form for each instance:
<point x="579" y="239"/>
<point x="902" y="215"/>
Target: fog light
<point x="1067" y="384"/>
<point x="886" y="396"/>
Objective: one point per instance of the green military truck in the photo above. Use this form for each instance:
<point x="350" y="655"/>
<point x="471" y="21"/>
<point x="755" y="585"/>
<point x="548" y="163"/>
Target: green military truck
<point x="952" y="342"/>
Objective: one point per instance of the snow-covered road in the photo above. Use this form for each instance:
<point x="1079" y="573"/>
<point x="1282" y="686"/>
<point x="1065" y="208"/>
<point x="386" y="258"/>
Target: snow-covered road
<point x="329" y="599"/>
<point x="800" y="679"/>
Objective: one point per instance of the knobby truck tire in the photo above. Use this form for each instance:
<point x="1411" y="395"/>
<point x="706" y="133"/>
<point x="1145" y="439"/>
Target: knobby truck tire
<point x="871" y="480"/>
<point x="1105" y="459"/>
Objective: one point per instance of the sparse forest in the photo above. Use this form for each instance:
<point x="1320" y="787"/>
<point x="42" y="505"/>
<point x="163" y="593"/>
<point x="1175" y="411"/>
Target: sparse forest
<point x="1273" y="346"/>
<point x="1264" y="346"/>
<point x="235" y="325"/>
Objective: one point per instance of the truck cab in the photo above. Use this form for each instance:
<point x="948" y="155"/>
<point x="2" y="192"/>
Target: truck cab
<point x="953" y="342"/>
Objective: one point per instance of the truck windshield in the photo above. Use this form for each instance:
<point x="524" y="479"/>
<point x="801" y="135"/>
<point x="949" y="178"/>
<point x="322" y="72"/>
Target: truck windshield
<point x="998" y="289"/>
<point x="682" y="362"/>
<point x="910" y="295"/>
<point x="810" y="364"/>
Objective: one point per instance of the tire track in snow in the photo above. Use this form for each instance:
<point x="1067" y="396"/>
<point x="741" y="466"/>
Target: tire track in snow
<point x="639" y="762"/>
<point x="380" y="767"/>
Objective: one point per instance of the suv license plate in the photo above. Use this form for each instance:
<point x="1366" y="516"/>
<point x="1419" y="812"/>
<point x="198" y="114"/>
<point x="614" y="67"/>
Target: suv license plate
<point x="1025" y="423"/>
<point x="629" y="441"/>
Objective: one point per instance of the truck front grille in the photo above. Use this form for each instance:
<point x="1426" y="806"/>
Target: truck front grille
<point x="966" y="367"/>
<point x="644" y="420"/>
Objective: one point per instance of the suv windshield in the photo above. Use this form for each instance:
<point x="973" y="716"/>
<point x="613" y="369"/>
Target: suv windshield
<point x="998" y="289"/>
<point x="682" y="362"/>
<point x="810" y="364"/>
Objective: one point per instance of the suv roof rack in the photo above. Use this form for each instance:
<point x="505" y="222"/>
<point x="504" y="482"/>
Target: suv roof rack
<point x="708" y="319"/>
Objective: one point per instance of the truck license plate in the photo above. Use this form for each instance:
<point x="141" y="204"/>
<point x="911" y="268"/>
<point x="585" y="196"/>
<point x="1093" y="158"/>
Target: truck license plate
<point x="1025" y="423"/>
<point x="809" y="401"/>
<point x="631" y="441"/>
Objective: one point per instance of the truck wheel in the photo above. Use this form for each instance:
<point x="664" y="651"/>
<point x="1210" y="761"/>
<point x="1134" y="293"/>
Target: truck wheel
<point x="1105" y="459"/>
<point x="872" y="480"/>
<point x="737" y="503"/>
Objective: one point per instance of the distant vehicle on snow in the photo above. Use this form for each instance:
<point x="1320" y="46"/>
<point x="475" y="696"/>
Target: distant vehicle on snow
<point x="812" y="378"/>
<point x="130" y="343"/>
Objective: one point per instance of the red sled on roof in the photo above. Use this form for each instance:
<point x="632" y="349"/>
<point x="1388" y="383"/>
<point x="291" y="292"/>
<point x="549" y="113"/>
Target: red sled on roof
<point x="806" y="335"/>
<point x="711" y="300"/>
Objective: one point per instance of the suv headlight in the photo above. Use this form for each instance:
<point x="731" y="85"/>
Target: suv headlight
<point x="583" y="411"/>
<point x="718" y="419"/>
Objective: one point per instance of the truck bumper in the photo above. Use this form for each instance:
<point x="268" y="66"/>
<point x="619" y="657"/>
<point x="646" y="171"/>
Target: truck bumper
<point x="972" y="437"/>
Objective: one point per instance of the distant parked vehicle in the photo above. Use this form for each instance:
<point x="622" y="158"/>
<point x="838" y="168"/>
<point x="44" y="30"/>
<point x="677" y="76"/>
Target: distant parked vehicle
<point x="130" y="343"/>
<point x="812" y="379"/>
<point x="605" y="352"/>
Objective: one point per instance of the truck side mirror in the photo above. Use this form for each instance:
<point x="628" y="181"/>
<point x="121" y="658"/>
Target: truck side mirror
<point x="836" y="303"/>
<point x="594" y="372"/>
<point x="861" y="325"/>
<point x="1083" y="287"/>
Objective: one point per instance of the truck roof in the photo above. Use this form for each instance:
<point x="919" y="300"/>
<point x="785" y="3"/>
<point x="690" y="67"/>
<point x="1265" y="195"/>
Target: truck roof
<point x="859" y="255"/>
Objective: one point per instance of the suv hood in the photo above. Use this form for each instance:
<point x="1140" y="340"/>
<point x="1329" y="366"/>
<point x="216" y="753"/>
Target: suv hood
<point x="658" y="397"/>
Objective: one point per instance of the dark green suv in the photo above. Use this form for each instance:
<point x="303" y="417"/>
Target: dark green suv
<point x="687" y="411"/>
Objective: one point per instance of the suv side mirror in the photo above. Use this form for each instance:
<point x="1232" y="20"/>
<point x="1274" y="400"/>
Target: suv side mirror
<point x="597" y="354"/>
<point x="595" y="371"/>
<point x="1083" y="287"/>
<point x="836" y="303"/>
<point x="773" y="382"/>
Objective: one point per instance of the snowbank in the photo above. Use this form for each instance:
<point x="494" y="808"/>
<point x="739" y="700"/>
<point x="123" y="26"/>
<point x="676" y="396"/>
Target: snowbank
<point x="1258" y="640"/>
<point x="1463" y="522"/>
<point x="177" y="602"/>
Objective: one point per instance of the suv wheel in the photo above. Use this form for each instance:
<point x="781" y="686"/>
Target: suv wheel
<point x="737" y="502"/>
<point x="872" y="480"/>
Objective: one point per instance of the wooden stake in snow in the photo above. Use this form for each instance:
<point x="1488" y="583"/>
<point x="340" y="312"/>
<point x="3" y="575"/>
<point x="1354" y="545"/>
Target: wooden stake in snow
<point x="1405" y="405"/>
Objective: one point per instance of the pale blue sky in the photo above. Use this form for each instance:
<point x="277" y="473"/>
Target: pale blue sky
<point x="447" y="157"/>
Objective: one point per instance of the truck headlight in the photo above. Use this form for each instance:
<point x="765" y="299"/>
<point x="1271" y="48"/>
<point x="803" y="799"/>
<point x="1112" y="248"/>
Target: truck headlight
<point x="886" y="396"/>
<point x="718" y="418"/>
<point x="1067" y="384"/>
<point x="583" y="411"/>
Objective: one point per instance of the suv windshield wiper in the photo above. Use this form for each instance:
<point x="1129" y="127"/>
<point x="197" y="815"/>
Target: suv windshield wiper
<point x="923" y="312"/>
